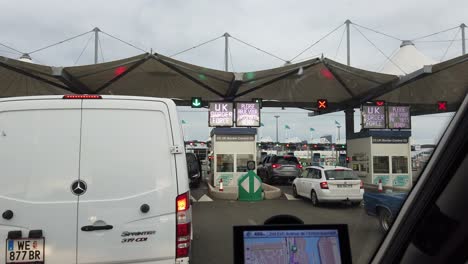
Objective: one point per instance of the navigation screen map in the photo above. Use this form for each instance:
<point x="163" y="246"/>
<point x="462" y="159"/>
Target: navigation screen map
<point x="292" y="246"/>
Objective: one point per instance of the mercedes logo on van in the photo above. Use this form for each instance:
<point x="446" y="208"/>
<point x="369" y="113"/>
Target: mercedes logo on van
<point x="78" y="187"/>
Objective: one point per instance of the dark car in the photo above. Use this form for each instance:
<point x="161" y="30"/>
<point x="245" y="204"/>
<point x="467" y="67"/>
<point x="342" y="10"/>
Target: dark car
<point x="193" y="169"/>
<point x="385" y="206"/>
<point x="275" y="168"/>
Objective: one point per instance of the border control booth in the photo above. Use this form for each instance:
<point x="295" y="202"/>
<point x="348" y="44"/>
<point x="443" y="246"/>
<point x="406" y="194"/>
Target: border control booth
<point x="381" y="151"/>
<point x="232" y="149"/>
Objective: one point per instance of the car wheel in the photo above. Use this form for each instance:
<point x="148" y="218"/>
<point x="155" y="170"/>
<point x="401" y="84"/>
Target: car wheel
<point x="314" y="198"/>
<point x="355" y="204"/>
<point x="385" y="220"/>
<point x="295" y="192"/>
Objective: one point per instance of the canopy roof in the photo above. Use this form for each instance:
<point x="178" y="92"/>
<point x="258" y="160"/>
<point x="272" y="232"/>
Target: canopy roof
<point x="293" y="85"/>
<point x="406" y="60"/>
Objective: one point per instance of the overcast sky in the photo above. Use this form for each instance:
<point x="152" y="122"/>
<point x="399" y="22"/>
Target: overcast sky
<point x="283" y="28"/>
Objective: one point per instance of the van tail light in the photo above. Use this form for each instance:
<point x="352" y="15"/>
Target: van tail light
<point x="275" y="166"/>
<point x="299" y="166"/>
<point x="82" y="96"/>
<point x="361" y="185"/>
<point x="324" y="185"/>
<point x="183" y="225"/>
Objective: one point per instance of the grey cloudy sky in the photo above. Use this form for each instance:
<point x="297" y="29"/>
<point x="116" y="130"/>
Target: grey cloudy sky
<point x="283" y="28"/>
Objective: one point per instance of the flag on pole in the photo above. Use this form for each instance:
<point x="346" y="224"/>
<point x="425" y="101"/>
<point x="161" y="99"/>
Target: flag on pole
<point x="183" y="122"/>
<point x="311" y="129"/>
<point x="286" y="127"/>
<point x="336" y="123"/>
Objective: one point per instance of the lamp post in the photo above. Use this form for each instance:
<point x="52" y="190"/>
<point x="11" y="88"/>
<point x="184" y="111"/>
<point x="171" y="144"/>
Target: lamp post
<point x="277" y="116"/>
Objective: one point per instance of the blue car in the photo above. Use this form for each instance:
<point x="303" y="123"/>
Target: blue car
<point x="385" y="206"/>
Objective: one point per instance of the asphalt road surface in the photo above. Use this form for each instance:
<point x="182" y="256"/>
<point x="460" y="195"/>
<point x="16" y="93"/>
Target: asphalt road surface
<point x="213" y="221"/>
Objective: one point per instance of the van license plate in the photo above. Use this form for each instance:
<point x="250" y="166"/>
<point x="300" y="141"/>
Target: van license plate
<point x="25" y="250"/>
<point x="345" y="185"/>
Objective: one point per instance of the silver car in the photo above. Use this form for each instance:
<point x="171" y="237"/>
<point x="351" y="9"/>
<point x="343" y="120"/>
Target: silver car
<point x="274" y="168"/>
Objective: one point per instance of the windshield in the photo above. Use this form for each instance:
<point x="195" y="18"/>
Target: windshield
<point x="285" y="160"/>
<point x="341" y="175"/>
<point x="244" y="111"/>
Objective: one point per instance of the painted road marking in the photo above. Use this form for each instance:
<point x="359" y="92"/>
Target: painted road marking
<point x="290" y="197"/>
<point x="205" y="198"/>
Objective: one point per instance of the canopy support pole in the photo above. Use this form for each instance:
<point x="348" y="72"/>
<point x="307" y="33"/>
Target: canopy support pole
<point x="463" y="26"/>
<point x="96" y="44"/>
<point x="348" y="43"/>
<point x="349" y="113"/>
<point x="226" y="51"/>
<point x="349" y="123"/>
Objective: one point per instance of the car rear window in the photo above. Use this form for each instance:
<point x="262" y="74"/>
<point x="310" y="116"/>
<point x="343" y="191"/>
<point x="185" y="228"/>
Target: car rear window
<point x="341" y="175"/>
<point x="286" y="160"/>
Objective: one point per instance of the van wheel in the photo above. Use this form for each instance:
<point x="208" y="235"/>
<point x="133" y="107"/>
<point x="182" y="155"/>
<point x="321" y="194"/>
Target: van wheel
<point x="385" y="220"/>
<point x="314" y="198"/>
<point x="295" y="192"/>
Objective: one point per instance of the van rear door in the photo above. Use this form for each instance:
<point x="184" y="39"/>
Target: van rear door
<point x="128" y="167"/>
<point x="39" y="154"/>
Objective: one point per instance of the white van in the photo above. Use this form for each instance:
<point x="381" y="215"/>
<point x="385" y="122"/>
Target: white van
<point x="91" y="179"/>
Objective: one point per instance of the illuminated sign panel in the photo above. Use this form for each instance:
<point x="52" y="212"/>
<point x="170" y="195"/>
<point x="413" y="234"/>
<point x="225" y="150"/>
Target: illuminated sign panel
<point x="247" y="114"/>
<point x="399" y="117"/>
<point x="322" y="104"/>
<point x="373" y="116"/>
<point x="220" y="114"/>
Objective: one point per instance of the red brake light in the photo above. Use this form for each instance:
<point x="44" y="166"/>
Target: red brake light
<point x="275" y="166"/>
<point x="183" y="202"/>
<point x="82" y="96"/>
<point x="299" y="166"/>
<point x="324" y="185"/>
<point x="183" y="225"/>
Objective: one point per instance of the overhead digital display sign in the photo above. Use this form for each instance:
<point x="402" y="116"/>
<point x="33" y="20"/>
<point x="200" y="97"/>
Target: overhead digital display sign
<point x="373" y="116"/>
<point x="247" y="114"/>
<point x="220" y="114"/>
<point x="399" y="117"/>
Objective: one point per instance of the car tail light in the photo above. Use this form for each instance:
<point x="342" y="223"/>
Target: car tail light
<point x="82" y="96"/>
<point x="361" y="185"/>
<point x="299" y="166"/>
<point x="324" y="185"/>
<point x="183" y="225"/>
<point x="275" y="166"/>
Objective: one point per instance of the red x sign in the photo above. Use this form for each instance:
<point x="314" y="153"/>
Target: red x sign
<point x="442" y="105"/>
<point x="322" y="104"/>
<point x="379" y="103"/>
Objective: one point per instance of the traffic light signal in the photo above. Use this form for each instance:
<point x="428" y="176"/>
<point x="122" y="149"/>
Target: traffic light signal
<point x="379" y="103"/>
<point x="442" y="106"/>
<point x="196" y="102"/>
<point x="322" y="104"/>
<point x="259" y="101"/>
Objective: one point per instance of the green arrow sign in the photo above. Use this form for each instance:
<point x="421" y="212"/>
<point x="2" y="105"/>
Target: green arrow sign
<point x="196" y="102"/>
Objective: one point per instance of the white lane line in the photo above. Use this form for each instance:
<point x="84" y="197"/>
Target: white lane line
<point x="205" y="198"/>
<point x="193" y="199"/>
<point x="290" y="197"/>
<point x="252" y="222"/>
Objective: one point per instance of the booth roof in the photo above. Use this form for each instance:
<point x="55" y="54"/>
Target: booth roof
<point x="233" y="131"/>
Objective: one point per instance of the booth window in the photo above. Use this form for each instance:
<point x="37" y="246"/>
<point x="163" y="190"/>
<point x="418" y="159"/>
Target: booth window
<point x="225" y="163"/>
<point x="242" y="162"/>
<point x="381" y="164"/>
<point x="399" y="164"/>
